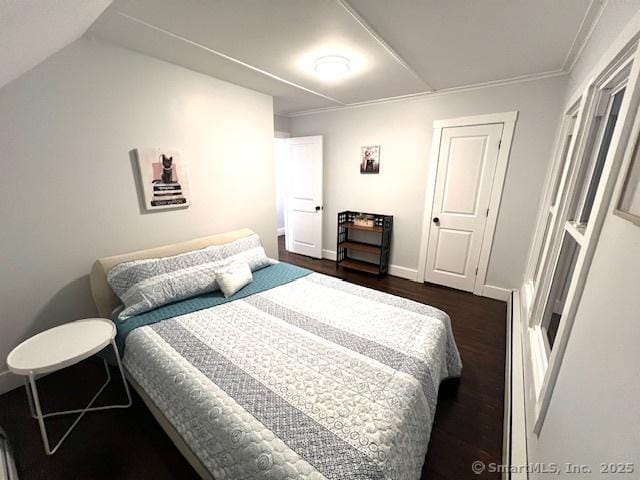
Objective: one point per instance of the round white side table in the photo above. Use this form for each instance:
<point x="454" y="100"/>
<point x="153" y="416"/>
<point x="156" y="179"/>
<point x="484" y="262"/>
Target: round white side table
<point x="56" y="349"/>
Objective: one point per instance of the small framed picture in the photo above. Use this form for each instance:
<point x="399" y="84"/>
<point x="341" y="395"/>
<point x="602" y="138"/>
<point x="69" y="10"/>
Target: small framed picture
<point x="164" y="178"/>
<point x="628" y="206"/>
<point x="370" y="159"/>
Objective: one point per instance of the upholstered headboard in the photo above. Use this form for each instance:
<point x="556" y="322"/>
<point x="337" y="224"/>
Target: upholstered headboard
<point x="106" y="300"/>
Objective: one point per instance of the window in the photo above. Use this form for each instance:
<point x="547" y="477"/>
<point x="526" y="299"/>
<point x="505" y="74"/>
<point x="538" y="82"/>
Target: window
<point x="565" y="147"/>
<point x="546" y="237"/>
<point x="604" y="125"/>
<point x="571" y="205"/>
<point x="568" y="144"/>
<point x="572" y="215"/>
<point x="554" y="307"/>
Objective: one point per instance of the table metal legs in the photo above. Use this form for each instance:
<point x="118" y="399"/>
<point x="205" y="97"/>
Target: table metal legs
<point x="36" y="411"/>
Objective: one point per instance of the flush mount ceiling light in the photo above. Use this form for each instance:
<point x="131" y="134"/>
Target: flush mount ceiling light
<point x="332" y="67"/>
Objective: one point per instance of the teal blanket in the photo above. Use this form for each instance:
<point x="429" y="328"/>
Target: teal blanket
<point x="264" y="279"/>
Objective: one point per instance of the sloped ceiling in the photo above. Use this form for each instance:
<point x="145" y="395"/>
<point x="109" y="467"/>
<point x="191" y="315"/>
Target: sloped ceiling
<point x="397" y="49"/>
<point x="32" y="30"/>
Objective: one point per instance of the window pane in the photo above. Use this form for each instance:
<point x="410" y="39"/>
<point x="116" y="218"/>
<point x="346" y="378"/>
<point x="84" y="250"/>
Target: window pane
<point x="602" y="156"/>
<point x="545" y="242"/>
<point x="563" y="160"/>
<point x="554" y="307"/>
<point x="587" y="188"/>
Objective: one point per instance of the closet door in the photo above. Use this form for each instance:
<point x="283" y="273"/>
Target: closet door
<point x="304" y="196"/>
<point x="466" y="167"/>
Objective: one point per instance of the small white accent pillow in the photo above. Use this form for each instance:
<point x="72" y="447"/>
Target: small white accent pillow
<point x="233" y="278"/>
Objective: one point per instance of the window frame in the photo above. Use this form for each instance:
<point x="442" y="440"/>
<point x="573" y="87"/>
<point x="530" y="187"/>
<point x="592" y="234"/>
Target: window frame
<point x="556" y="196"/>
<point x="539" y="247"/>
<point x="543" y="365"/>
<point x="579" y="203"/>
<point x="570" y="184"/>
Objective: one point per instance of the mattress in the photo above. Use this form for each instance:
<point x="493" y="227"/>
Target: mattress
<point x="310" y="378"/>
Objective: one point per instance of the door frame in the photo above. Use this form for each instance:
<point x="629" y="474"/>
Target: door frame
<point x="287" y="224"/>
<point x="508" y="119"/>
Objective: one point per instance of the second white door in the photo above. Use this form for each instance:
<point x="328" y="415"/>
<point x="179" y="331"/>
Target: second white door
<point x="466" y="168"/>
<point x="304" y="196"/>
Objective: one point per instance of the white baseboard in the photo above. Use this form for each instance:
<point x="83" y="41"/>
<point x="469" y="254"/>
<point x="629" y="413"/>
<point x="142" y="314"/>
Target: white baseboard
<point x="280" y="231"/>
<point x="9" y="381"/>
<point x="508" y="385"/>
<point x="328" y="254"/>
<point x="515" y="448"/>
<point x="497" y="293"/>
<point x="394" y="270"/>
<point x="403" y="272"/>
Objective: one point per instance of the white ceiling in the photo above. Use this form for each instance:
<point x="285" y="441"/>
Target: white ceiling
<point x="32" y="30"/>
<point x="452" y="43"/>
<point x="400" y="48"/>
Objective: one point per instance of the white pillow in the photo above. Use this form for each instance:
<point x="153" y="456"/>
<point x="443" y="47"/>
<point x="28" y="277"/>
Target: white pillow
<point x="233" y="277"/>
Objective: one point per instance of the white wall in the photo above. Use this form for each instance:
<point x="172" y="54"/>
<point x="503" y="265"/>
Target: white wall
<point x="281" y="127"/>
<point x="280" y="160"/>
<point x="281" y="124"/>
<point x="594" y="412"/>
<point x="404" y="130"/>
<point x="68" y="193"/>
<point x="615" y="15"/>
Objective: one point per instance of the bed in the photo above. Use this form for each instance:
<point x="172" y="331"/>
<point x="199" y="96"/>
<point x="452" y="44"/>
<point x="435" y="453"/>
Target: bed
<point x="298" y="375"/>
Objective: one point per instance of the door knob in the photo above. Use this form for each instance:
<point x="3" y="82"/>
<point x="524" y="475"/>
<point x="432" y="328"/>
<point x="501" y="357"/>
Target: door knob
<point x="317" y="208"/>
<point x="436" y="220"/>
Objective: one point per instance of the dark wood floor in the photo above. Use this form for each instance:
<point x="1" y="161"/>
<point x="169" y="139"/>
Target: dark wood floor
<point x="129" y="444"/>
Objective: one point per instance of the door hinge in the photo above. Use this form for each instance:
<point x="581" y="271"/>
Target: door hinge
<point x="476" y="271"/>
<point x="487" y="214"/>
<point x="499" y="144"/>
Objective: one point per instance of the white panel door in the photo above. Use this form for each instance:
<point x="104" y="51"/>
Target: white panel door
<point x="304" y="196"/>
<point x="466" y="167"/>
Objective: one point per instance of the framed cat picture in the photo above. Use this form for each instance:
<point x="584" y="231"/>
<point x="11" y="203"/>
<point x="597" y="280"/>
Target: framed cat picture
<point x="164" y="178"/>
<point x="370" y="159"/>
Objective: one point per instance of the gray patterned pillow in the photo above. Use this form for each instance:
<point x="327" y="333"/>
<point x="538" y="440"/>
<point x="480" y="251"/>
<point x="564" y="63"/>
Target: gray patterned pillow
<point x="143" y="285"/>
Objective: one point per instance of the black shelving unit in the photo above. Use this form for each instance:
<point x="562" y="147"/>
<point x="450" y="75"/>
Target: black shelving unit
<point x="373" y="252"/>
